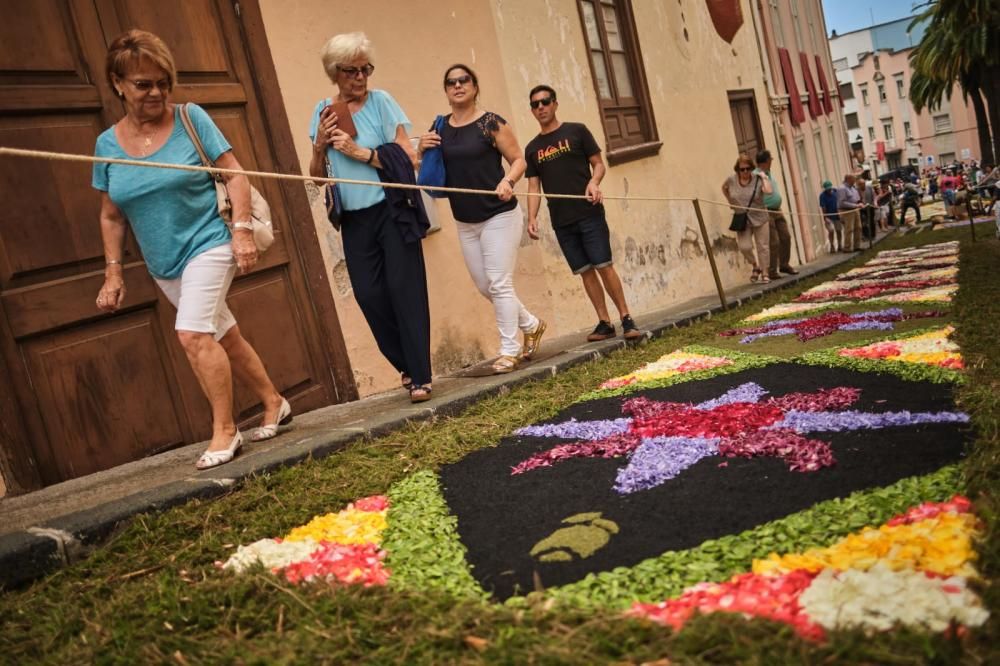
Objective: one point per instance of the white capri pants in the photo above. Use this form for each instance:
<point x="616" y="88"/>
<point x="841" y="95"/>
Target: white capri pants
<point x="490" y="252"/>
<point x="199" y="294"/>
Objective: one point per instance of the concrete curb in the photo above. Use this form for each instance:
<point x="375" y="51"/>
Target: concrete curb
<point x="27" y="555"/>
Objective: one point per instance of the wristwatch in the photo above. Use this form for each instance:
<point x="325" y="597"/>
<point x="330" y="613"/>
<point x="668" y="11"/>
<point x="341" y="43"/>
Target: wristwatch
<point x="243" y="225"/>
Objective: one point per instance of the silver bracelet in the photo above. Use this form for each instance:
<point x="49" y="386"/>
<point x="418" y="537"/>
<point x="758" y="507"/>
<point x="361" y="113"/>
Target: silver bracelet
<point x="243" y="225"/>
<point x="113" y="261"/>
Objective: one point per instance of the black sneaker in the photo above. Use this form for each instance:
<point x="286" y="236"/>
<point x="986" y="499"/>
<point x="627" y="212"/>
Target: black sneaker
<point x="602" y="331"/>
<point x="629" y="330"/>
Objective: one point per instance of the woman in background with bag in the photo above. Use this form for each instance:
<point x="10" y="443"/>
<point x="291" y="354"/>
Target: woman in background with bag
<point x="473" y="142"/>
<point x="743" y="190"/>
<point x="382" y="248"/>
<point x="188" y="248"/>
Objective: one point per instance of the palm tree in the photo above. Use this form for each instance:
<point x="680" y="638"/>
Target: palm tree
<point x="929" y="93"/>
<point x="960" y="45"/>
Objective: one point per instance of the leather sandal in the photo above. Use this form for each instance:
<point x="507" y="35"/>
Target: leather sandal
<point x="420" y="393"/>
<point x="505" y="364"/>
<point x="533" y="340"/>
<point x="269" y="430"/>
<point x="211" y="459"/>
<point x="405" y="380"/>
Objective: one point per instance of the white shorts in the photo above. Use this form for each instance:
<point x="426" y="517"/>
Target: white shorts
<point x="199" y="294"/>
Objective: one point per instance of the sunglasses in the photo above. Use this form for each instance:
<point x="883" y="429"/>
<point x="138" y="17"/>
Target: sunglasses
<point x="145" y="85"/>
<point x="545" y="101"/>
<point x="457" y="81"/>
<point x="745" y="169"/>
<point x="352" y="72"/>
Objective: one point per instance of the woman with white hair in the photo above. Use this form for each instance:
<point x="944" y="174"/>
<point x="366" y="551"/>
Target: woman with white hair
<point x="385" y="262"/>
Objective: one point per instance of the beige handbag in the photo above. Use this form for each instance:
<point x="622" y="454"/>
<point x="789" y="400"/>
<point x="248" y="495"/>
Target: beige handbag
<point x="260" y="212"/>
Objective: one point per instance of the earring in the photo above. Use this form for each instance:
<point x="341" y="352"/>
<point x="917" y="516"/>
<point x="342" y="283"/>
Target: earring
<point x="120" y="93"/>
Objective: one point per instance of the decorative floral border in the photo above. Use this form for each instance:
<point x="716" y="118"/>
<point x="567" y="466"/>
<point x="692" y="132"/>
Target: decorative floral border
<point x="739" y="361"/>
<point x="913" y="570"/>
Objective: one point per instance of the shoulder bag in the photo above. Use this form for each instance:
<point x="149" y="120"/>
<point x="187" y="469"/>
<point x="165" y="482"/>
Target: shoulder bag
<point x="260" y="212"/>
<point x="432" y="173"/>
<point x="741" y="220"/>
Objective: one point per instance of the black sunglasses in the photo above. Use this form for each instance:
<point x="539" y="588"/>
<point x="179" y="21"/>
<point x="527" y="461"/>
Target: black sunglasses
<point x="354" y="71"/>
<point x="458" y="80"/>
<point x="545" y="101"/>
<point x="745" y="169"/>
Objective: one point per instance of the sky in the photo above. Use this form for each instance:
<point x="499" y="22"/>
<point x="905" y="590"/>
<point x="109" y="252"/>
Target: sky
<point x="847" y="15"/>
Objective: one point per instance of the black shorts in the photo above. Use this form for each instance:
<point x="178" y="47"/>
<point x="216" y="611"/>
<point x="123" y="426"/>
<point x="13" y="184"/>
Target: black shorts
<point x="585" y="243"/>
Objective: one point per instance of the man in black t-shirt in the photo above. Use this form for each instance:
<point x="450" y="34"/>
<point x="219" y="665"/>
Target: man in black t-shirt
<point x="565" y="159"/>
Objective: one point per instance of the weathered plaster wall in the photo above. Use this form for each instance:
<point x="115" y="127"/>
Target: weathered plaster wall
<point x="514" y="45"/>
<point x="658" y="247"/>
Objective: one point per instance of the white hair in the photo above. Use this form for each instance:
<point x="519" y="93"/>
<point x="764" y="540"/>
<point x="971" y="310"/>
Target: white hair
<point x="344" y="48"/>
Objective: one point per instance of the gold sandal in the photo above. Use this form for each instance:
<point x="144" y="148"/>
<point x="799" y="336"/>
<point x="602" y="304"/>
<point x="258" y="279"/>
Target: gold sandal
<point x="533" y="340"/>
<point x="505" y="364"/>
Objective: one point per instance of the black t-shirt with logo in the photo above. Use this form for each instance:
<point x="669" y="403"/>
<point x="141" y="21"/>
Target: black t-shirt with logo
<point x="561" y="160"/>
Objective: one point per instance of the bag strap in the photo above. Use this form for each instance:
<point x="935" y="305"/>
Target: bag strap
<point x="753" y="195"/>
<point x="196" y="140"/>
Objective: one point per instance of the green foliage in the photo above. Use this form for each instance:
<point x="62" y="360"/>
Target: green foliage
<point x="421" y="541"/>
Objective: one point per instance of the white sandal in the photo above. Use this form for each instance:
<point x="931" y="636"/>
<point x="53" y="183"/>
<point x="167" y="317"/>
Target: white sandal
<point x="211" y="459"/>
<point x="271" y="429"/>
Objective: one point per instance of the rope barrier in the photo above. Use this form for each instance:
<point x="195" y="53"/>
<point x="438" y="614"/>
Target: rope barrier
<point x="70" y="157"/>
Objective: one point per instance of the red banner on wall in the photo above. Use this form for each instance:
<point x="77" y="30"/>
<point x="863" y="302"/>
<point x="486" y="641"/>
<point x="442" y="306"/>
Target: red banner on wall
<point x="880" y="150"/>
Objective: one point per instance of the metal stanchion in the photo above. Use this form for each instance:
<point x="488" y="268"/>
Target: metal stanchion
<point x="711" y="256"/>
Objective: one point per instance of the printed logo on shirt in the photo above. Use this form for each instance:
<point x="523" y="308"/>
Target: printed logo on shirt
<point x="552" y="152"/>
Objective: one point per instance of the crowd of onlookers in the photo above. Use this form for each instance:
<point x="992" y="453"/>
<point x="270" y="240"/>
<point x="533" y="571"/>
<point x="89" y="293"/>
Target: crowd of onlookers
<point x="860" y="206"/>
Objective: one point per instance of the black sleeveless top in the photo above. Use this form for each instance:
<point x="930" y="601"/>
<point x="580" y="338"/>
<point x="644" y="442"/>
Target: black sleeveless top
<point x="472" y="160"/>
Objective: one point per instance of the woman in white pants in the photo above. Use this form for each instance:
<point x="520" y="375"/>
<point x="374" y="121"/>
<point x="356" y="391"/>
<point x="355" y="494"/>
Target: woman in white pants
<point x="474" y="142"/>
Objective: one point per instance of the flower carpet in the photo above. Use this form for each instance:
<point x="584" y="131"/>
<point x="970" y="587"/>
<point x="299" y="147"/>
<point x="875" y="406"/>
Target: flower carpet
<point x="802" y="467"/>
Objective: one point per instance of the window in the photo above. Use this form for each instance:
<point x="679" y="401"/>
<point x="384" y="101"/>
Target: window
<point x="840" y="64"/>
<point x="907" y="130"/>
<point x="881" y="93"/>
<point x="619" y="79"/>
<point x="946" y="158"/>
<point x="834" y="149"/>
<point x="820" y="153"/>
<point x="887" y="129"/>
<point x="871" y="133"/>
<point x="800" y="153"/>
<point x="779" y="34"/>
<point x="864" y="93"/>
<point x="942" y="124"/>
<point x="846" y="91"/>
<point x="797" y="24"/>
<point x="900" y="88"/>
<point x="852" y="121"/>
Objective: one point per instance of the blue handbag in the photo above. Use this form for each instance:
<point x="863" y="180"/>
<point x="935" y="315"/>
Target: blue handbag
<point x="432" y="172"/>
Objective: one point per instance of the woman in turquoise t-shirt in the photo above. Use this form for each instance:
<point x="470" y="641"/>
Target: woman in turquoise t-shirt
<point x="386" y="269"/>
<point x="186" y="246"/>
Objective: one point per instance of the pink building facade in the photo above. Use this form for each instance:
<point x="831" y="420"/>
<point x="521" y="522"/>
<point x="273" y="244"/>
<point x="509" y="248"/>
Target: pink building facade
<point x="892" y="133"/>
<point x="805" y="109"/>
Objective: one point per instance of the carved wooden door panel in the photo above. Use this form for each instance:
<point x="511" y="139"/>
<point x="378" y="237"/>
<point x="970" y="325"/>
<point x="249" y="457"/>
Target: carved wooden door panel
<point x="98" y="390"/>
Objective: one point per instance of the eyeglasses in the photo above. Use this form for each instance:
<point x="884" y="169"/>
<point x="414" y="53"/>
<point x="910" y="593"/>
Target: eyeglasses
<point x="457" y="81"/>
<point x="745" y="169"/>
<point x="145" y="85"/>
<point x="545" y="101"/>
<point x="353" y="72"/>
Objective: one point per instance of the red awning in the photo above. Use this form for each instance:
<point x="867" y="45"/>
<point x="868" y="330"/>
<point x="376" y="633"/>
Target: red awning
<point x="795" y="110"/>
<point x="827" y="105"/>
<point x="815" y="108"/>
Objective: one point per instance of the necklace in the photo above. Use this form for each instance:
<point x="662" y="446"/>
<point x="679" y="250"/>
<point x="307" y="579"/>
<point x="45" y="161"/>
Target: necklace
<point x="147" y="139"/>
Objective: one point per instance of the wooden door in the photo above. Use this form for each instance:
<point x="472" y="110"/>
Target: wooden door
<point x="746" y="123"/>
<point x="93" y="391"/>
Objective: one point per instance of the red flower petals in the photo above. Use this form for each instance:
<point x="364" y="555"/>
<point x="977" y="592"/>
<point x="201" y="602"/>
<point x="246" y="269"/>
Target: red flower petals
<point x="838" y="398"/>
<point x="334" y="562"/>
<point x="799" y="453"/>
<point x="957" y="504"/>
<point x="870" y="291"/>
<point x="772" y="597"/>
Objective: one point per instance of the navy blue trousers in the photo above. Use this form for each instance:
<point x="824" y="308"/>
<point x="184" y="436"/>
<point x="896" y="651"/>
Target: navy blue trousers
<point x="390" y="284"/>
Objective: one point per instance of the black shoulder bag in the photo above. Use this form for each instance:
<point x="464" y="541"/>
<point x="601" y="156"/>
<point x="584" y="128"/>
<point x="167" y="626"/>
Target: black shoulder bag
<point x="741" y="220"/>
